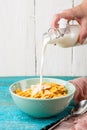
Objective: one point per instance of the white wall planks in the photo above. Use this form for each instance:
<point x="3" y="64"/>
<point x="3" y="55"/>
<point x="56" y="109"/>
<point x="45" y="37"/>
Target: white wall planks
<point x="79" y="64"/>
<point x="22" y="24"/>
<point x="17" y="45"/>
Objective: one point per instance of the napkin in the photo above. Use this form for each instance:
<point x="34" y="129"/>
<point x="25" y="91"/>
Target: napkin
<point x="74" y="123"/>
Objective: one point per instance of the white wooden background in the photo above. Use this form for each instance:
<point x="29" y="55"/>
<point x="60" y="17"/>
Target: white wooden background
<point x="22" y="23"/>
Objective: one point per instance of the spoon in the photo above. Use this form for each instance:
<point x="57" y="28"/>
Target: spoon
<point x="79" y="109"/>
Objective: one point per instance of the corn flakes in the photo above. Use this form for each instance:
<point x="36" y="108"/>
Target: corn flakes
<point x="49" y="90"/>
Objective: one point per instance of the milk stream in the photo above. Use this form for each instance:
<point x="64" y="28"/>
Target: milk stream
<point x="39" y="87"/>
<point x="45" y="42"/>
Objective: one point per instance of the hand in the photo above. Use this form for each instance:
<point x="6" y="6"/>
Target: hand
<point x="78" y="13"/>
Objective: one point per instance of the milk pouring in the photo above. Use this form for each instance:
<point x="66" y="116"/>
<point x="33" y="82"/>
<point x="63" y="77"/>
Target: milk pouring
<point x="65" y="35"/>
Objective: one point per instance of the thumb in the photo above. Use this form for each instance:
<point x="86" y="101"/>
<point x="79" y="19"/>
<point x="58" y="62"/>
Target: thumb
<point x="83" y="33"/>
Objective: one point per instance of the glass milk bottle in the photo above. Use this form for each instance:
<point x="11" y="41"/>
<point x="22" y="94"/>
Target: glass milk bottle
<point x="65" y="35"/>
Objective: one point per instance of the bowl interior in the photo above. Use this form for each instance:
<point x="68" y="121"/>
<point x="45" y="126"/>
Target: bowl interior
<point x="25" y="84"/>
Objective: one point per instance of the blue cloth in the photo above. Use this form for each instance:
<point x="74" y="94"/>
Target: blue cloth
<point x="12" y="118"/>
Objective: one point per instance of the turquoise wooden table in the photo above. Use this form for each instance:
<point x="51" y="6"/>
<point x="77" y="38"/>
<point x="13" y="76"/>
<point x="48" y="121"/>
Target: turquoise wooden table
<point x="12" y="118"/>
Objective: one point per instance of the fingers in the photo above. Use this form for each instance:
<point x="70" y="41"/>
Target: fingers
<point x="83" y="33"/>
<point x="70" y="14"/>
<point x="67" y="14"/>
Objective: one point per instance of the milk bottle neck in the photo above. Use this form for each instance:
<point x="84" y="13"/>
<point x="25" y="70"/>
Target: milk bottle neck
<point x="64" y="37"/>
<point x="56" y="33"/>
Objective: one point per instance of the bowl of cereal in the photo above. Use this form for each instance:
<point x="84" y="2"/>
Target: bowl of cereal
<point x="42" y="101"/>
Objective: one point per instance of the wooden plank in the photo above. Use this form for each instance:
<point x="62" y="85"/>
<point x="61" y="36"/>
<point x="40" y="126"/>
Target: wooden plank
<point x="17" y="46"/>
<point x="79" y="66"/>
<point x="79" y="63"/>
<point x="58" y="61"/>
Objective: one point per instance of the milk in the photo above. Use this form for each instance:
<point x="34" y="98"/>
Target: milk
<point x="45" y="42"/>
<point x="68" y="40"/>
<point x="39" y="87"/>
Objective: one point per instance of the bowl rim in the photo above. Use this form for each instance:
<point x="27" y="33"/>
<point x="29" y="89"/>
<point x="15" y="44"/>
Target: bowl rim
<point x="42" y="99"/>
